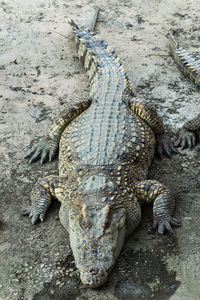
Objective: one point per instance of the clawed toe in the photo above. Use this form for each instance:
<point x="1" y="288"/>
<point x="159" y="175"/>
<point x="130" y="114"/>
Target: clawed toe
<point x="43" y="156"/>
<point x="34" y="217"/>
<point x="165" y="146"/>
<point x="166" y="225"/>
<point x="45" y="149"/>
<point x="186" y="139"/>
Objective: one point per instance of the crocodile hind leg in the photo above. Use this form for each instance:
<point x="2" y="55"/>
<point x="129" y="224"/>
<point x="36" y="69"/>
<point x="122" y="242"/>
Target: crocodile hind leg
<point x="147" y="112"/>
<point x="48" y="145"/>
<point x="41" y="195"/>
<point x="148" y="191"/>
<point x="187" y="133"/>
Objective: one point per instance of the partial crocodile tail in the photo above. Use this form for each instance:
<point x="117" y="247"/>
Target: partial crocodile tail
<point x="87" y="47"/>
<point x="172" y="42"/>
<point x="188" y="65"/>
<point x="88" y="21"/>
<point x="95" y="54"/>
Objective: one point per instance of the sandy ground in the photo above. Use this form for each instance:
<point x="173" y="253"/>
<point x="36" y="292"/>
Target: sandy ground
<point x="40" y="72"/>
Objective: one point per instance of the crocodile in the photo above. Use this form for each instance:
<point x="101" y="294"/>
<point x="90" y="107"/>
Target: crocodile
<point x="106" y="145"/>
<point x="190" y="68"/>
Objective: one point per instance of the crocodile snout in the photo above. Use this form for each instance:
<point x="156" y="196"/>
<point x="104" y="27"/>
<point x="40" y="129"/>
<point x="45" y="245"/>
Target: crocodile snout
<point x="94" y="276"/>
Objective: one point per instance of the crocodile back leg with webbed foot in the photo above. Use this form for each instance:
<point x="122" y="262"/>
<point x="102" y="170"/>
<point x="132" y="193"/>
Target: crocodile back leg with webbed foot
<point x="106" y="145"/>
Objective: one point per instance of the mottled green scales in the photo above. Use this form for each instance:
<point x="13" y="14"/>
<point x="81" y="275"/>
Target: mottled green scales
<point x="191" y="69"/>
<point x="106" y="145"/>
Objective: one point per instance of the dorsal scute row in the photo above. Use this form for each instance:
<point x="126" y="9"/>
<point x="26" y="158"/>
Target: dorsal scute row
<point x="187" y="64"/>
<point x="191" y="66"/>
<point x="95" y="53"/>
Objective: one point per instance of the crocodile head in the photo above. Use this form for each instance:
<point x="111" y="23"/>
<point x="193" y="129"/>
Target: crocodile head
<point x="96" y="236"/>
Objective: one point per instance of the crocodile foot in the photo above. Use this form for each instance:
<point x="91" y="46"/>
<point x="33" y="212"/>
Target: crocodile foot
<point x="27" y="212"/>
<point x="44" y="149"/>
<point x="35" y="213"/>
<point x="164" y="146"/>
<point x="186" y="138"/>
<point x="166" y="223"/>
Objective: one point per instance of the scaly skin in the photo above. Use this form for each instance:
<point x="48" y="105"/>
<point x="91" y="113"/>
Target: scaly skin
<point x="187" y="135"/>
<point x="190" y="68"/>
<point x="106" y="145"/>
<point x="188" y="65"/>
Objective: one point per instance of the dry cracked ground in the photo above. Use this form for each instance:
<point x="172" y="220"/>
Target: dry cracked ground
<point x="39" y="73"/>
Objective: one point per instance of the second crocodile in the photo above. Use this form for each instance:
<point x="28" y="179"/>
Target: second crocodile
<point x="190" y="68"/>
<point x="106" y="145"/>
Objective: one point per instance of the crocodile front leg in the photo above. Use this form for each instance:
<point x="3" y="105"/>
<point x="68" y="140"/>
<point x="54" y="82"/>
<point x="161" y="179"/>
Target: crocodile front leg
<point x="147" y="112"/>
<point x="41" y="195"/>
<point x="149" y="191"/>
<point x="187" y="133"/>
<point x="48" y="145"/>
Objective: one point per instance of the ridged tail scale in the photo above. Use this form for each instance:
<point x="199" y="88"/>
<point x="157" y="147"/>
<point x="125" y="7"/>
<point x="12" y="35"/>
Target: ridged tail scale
<point x="96" y="55"/>
<point x="89" y="50"/>
<point x="188" y="65"/>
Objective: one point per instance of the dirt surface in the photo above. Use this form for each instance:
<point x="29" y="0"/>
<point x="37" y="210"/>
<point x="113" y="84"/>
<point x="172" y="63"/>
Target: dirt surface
<point x="39" y="73"/>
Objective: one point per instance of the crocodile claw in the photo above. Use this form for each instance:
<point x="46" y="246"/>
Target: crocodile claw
<point x="165" y="146"/>
<point x="34" y="219"/>
<point x="34" y="216"/>
<point x="45" y="149"/>
<point x="186" y="138"/>
<point x="43" y="156"/>
<point x="166" y="225"/>
<point x="28" y="212"/>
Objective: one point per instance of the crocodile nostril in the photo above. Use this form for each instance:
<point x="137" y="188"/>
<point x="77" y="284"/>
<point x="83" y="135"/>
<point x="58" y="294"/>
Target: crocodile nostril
<point x="94" y="270"/>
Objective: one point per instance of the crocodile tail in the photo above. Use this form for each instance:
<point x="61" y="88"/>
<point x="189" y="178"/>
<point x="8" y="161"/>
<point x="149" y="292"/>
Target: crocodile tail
<point x="95" y="53"/>
<point x="172" y="42"/>
<point x="88" y="21"/>
<point x="87" y="47"/>
<point x="188" y="65"/>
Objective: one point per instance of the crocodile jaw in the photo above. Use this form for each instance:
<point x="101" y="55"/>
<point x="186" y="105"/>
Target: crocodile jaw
<point x="94" y="265"/>
<point x="97" y="247"/>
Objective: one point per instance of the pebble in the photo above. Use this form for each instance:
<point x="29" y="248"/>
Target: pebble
<point x="188" y="218"/>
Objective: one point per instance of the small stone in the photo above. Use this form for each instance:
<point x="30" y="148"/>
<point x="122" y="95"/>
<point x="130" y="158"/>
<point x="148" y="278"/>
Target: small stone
<point x="188" y="218"/>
